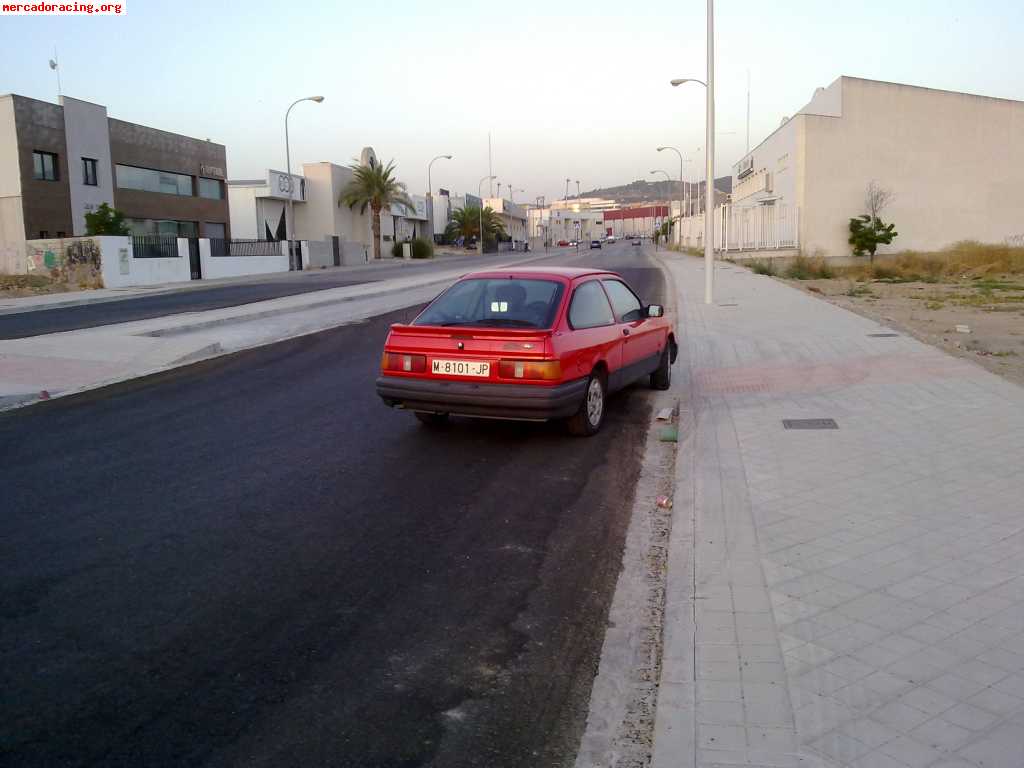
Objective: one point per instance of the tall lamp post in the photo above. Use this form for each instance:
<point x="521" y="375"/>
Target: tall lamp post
<point x="709" y="154"/>
<point x="661" y="149"/>
<point x="430" y="188"/>
<point x="290" y="223"/>
<point x="480" y="195"/>
<point x="654" y="216"/>
<point x="430" y="192"/>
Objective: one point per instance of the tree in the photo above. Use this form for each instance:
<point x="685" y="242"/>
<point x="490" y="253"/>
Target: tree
<point x="465" y="223"/>
<point x="374" y="186"/>
<point x="868" y="231"/>
<point x="106" y="221"/>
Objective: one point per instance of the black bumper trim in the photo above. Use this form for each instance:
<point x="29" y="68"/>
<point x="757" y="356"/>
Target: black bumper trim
<point x="505" y="401"/>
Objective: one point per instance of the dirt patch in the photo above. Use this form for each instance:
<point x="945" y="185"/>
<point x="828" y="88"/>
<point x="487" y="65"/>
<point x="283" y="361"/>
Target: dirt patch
<point x="991" y="308"/>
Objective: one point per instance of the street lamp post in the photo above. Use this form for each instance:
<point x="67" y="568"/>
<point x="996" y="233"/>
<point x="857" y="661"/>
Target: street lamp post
<point x="290" y="222"/>
<point x="709" y="143"/>
<point x="430" y="192"/>
<point x="654" y="216"/>
<point x="480" y="195"/>
<point x="430" y="188"/>
<point x="680" y="191"/>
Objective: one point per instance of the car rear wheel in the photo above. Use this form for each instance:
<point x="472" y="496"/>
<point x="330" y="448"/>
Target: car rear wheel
<point x="662" y="377"/>
<point x="432" y="419"/>
<point x="588" y="419"/>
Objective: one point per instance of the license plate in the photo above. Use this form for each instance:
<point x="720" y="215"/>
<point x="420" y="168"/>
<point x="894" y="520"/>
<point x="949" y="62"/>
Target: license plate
<point x="461" y="368"/>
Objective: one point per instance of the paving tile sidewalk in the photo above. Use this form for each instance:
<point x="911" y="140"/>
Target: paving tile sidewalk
<point x="840" y="597"/>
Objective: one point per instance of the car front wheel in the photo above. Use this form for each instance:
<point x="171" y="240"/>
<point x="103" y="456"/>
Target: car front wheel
<point x="588" y="419"/>
<point x="662" y="377"/>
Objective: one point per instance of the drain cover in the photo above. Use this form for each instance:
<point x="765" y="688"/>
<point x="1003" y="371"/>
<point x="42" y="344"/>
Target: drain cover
<point x="728" y="305"/>
<point x="810" y="424"/>
<point x="882" y="335"/>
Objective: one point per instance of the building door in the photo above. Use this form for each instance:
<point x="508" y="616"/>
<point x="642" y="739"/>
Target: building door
<point x="193" y="258"/>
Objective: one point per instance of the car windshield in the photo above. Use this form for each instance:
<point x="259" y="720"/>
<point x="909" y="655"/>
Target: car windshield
<point x="495" y="303"/>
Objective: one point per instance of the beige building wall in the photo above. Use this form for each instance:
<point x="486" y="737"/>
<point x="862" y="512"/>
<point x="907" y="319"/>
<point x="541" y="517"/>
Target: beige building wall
<point x="321" y="216"/>
<point x="12" y="218"/>
<point x="954" y="162"/>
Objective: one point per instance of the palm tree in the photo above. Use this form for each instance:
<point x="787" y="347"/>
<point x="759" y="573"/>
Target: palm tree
<point x="466" y="223"/>
<point x="374" y="185"/>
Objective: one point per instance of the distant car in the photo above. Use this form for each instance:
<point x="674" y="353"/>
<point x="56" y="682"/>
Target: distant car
<point x="531" y="344"/>
<point x="573" y="243"/>
<point x="563" y="243"/>
<point x="595" y="244"/>
<point x="610" y="239"/>
<point x="636" y="241"/>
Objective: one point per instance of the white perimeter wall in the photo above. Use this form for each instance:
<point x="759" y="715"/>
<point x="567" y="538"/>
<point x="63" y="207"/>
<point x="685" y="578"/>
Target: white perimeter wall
<point x="120" y="268"/>
<point x="235" y="266"/>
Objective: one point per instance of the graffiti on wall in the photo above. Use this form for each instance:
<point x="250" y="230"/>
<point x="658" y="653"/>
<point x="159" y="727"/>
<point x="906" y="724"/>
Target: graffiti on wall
<point x="71" y="260"/>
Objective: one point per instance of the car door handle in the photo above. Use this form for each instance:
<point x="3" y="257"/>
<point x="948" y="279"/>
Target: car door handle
<point x="625" y="331"/>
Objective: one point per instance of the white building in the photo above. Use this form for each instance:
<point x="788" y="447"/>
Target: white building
<point x="953" y="161"/>
<point x="512" y="215"/>
<point x="258" y="206"/>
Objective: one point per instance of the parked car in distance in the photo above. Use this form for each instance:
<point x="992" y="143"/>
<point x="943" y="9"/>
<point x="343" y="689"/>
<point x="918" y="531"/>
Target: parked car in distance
<point x="530" y="344"/>
<point x="610" y="239"/>
<point x="637" y="241"/>
<point x="595" y="244"/>
<point x="563" y="243"/>
<point x="574" y="243"/>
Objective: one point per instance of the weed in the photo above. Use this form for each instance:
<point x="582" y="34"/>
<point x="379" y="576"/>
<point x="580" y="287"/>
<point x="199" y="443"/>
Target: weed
<point x="932" y="304"/>
<point x="763" y="267"/>
<point x="803" y="268"/>
<point x="859" y="289"/>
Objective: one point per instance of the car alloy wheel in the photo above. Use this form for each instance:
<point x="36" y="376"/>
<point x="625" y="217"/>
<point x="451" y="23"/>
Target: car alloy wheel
<point x="595" y="402"/>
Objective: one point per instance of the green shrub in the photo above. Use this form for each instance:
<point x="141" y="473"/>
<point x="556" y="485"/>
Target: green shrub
<point x="422" y="248"/>
<point x="396" y="250"/>
<point x="763" y="267"/>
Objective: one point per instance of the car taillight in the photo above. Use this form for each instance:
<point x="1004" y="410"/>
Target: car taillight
<point x="396" y="361"/>
<point x="546" y="370"/>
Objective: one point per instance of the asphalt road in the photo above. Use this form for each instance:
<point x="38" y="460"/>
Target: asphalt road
<point x="198" y="299"/>
<point x="251" y="561"/>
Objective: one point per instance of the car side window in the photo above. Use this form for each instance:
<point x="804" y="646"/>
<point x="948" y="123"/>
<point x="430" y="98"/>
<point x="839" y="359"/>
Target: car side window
<point x="626" y="305"/>
<point x="589" y="307"/>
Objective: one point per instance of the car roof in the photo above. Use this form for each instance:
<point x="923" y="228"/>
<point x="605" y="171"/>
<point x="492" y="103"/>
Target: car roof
<point x="570" y="273"/>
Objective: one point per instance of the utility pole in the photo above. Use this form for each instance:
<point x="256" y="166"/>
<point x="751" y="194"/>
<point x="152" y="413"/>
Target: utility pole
<point x="490" y="170"/>
<point x="709" y="184"/>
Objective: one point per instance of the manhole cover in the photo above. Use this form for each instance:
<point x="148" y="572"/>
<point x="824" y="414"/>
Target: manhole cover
<point x="810" y="424"/>
<point x="882" y="335"/>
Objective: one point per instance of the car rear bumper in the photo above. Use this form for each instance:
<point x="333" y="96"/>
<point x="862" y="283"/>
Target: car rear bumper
<point x="496" y="401"/>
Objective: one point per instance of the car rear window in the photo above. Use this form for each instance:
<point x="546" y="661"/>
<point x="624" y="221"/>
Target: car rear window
<point x="495" y="303"/>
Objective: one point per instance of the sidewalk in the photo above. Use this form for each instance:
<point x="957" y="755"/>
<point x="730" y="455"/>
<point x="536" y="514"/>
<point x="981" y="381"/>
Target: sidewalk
<point x="854" y="596"/>
<point x="74" y="361"/>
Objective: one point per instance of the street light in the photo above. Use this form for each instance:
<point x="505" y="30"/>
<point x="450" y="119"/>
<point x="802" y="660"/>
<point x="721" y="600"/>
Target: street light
<point x="290" y="225"/>
<point x="567" y="190"/>
<point x="709" y="141"/>
<point x="681" y="192"/>
<point x="430" y="188"/>
<point x="480" y="196"/>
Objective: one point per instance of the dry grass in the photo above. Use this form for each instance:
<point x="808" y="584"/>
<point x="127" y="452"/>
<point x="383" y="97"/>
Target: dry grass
<point x="967" y="259"/>
<point x="23" y="282"/>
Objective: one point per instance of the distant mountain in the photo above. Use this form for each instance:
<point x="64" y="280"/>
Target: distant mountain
<point x="643" y="191"/>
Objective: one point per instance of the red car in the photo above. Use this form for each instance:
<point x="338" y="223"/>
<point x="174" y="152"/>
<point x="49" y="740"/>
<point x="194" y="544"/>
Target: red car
<point x="529" y="344"/>
<point x="563" y="243"/>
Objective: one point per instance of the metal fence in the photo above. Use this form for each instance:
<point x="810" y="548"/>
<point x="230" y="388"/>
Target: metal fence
<point x="222" y="247"/>
<point x="155" y="246"/>
<point x="756" y="227"/>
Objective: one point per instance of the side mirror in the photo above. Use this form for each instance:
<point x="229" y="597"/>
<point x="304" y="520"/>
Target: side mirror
<point x="655" y="310"/>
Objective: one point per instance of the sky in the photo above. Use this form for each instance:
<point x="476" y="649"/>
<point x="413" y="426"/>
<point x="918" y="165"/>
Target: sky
<point x="565" y="89"/>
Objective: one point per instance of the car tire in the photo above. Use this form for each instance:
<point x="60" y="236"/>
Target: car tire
<point x="433" y="420"/>
<point x="588" y="419"/>
<point x="662" y="377"/>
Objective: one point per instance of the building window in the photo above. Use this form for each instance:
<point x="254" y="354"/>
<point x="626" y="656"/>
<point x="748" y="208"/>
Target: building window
<point x="162" y="227"/>
<point x="43" y="234"/>
<point x="214" y="229"/>
<point x="148" y="180"/>
<point x="89" y="172"/>
<point x="61" y="234"/>
<point x="210" y="188"/>
<point x="44" y="166"/>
